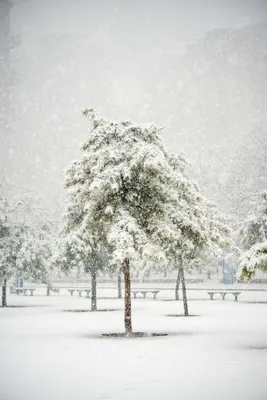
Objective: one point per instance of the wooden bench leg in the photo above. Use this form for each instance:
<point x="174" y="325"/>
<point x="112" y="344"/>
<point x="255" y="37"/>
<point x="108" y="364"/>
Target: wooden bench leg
<point x="88" y="294"/>
<point x="236" y="296"/>
<point x="154" y="296"/>
<point x="32" y="292"/>
<point x="80" y="294"/>
<point x="223" y="295"/>
<point x="71" y="293"/>
<point x="144" y="294"/>
<point x="211" y="296"/>
<point x="135" y="294"/>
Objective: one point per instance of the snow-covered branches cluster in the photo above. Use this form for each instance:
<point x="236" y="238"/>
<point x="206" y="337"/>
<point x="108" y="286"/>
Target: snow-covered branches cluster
<point x="254" y="229"/>
<point x="253" y="239"/>
<point x="253" y="259"/>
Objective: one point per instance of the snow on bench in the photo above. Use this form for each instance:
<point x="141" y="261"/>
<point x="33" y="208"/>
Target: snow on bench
<point x="22" y="290"/>
<point x="144" y="293"/>
<point x="87" y="291"/>
<point x="223" y="294"/>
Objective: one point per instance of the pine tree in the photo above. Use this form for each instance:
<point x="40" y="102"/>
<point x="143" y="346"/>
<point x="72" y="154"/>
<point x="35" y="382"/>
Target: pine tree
<point x="119" y="193"/>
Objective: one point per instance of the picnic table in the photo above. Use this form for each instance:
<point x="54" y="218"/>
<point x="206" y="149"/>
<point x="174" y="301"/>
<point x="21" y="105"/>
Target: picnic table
<point x="223" y="294"/>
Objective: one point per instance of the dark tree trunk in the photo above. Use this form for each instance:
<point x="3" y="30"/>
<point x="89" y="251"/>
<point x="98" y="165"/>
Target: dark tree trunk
<point x="165" y="273"/>
<point x="127" y="297"/>
<point x="48" y="288"/>
<point x="208" y="275"/>
<point x="119" y="286"/>
<point x="4" y="290"/>
<point x="181" y="266"/>
<point x="93" y="288"/>
<point x="177" y="284"/>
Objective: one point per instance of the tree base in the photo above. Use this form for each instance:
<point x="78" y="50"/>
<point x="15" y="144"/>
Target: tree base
<point x="181" y="315"/>
<point x="133" y="335"/>
<point x="92" y="311"/>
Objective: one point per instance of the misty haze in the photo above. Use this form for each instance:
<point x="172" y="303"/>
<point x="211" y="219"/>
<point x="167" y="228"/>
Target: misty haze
<point x="133" y="199"/>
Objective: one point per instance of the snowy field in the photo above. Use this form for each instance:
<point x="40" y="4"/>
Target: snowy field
<point x="50" y="353"/>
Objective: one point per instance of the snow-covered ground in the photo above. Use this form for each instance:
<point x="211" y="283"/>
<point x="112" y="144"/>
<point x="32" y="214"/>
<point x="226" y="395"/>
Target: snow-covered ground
<point x="48" y="353"/>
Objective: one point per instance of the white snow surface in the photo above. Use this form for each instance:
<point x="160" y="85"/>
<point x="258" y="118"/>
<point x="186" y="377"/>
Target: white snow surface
<point x="50" y="354"/>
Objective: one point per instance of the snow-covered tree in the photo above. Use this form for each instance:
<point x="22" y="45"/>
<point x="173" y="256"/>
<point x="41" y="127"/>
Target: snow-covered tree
<point x="194" y="224"/>
<point x="205" y="262"/>
<point x="35" y="257"/>
<point x="252" y="260"/>
<point x="253" y="239"/>
<point x="133" y="198"/>
<point x="12" y="236"/>
<point x="119" y="192"/>
<point x="77" y="250"/>
<point x="254" y="229"/>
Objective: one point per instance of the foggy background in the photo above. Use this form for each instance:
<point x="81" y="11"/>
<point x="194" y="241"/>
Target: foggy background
<point x="198" y="68"/>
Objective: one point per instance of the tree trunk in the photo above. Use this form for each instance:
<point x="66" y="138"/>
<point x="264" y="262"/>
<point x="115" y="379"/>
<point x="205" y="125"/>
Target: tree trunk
<point x="4" y="290"/>
<point x="48" y="288"/>
<point x="119" y="286"/>
<point x="127" y="297"/>
<point x="177" y="284"/>
<point x="93" y="288"/>
<point x="181" y="266"/>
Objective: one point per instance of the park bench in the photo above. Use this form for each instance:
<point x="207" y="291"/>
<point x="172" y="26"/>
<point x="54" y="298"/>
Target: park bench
<point x="30" y="290"/>
<point x="87" y="291"/>
<point x="22" y="290"/>
<point x="223" y="294"/>
<point x="144" y="293"/>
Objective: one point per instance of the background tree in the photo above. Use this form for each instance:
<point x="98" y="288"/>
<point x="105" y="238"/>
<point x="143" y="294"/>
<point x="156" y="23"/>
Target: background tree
<point x="77" y="250"/>
<point x="35" y="257"/>
<point x="194" y="222"/>
<point x="252" y="237"/>
<point x="254" y="229"/>
<point x="252" y="260"/>
<point x="12" y="236"/>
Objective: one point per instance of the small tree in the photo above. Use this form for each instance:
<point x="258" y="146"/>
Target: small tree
<point x="77" y="251"/>
<point x="12" y="236"/>
<point x="205" y="261"/>
<point x="35" y="257"/>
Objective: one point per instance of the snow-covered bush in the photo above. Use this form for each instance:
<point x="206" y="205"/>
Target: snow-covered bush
<point x="253" y="259"/>
<point x="253" y="239"/>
